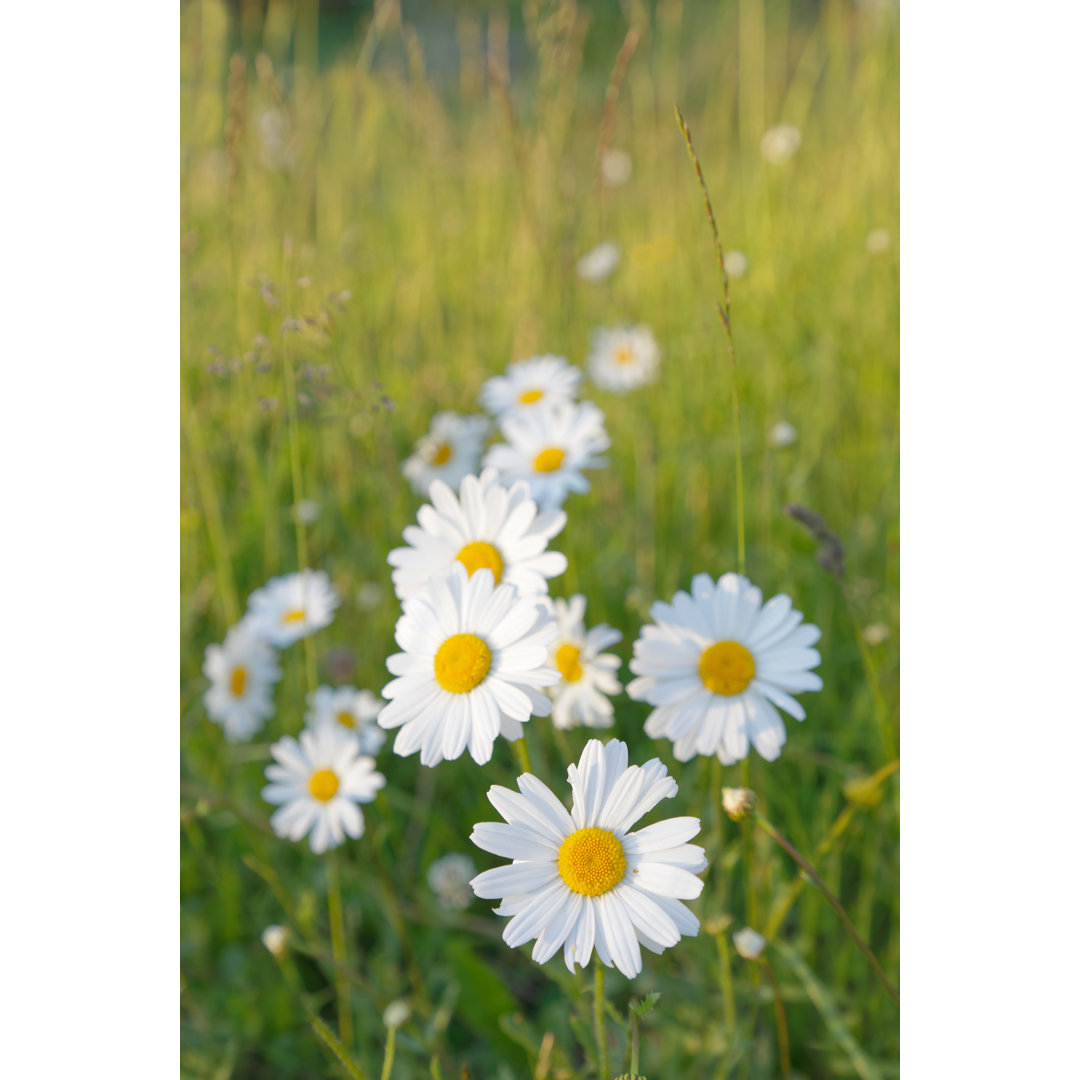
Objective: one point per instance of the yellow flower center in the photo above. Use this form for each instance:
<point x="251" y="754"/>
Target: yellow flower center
<point x="624" y="354"/>
<point x="530" y="396"/>
<point x="294" y="616"/>
<point x="441" y="455"/>
<point x="549" y="460"/>
<point x="462" y="663"/>
<point x="346" y="719"/>
<point x="323" y="784"/>
<point x="566" y="660"/>
<point x="591" y="861"/>
<point x="238" y="681"/>
<point x="477" y="555"/>
<point x="726" y="668"/>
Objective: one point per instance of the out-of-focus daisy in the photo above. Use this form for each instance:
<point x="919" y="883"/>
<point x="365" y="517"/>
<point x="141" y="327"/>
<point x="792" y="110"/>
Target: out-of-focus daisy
<point x="276" y="940"/>
<point x="581" y="880"/>
<point x="749" y="944"/>
<point x="449" y="880"/>
<point x="549" y="449"/>
<point x="316" y="783"/>
<point x="717" y="664"/>
<point x="289" y="608"/>
<point x="616" y="167"/>
<point x="474" y="661"/>
<point x="599" y="263"/>
<point x="490" y="526"/>
<point x="352" y="709"/>
<point x="242" y="671"/>
<point x="369" y="596"/>
<point x="529" y="385"/>
<point x="306" y="511"/>
<point x="876" y="634"/>
<point x="450" y="451"/>
<point x="587" y="673"/>
<point x="624" y="358"/>
<point x="878" y="241"/>
<point x="782" y="434"/>
<point x="736" y="264"/>
<point x="780" y="144"/>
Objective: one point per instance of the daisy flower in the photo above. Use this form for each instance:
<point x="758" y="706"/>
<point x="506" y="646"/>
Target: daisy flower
<point x="530" y="384"/>
<point x="581" y="880"/>
<point x="289" y="608"/>
<point x="549" y="448"/>
<point x="474" y="660"/>
<point x="600" y="263"/>
<point x="316" y="783"/>
<point x="780" y="144"/>
<point x="736" y="264"/>
<point x="449" y="881"/>
<point x="355" y="710"/>
<point x="616" y="167"/>
<point x="450" y="451"/>
<point x="717" y="665"/>
<point x="624" y="358"/>
<point x="490" y="525"/>
<point x="242" y="671"/>
<point x="587" y="674"/>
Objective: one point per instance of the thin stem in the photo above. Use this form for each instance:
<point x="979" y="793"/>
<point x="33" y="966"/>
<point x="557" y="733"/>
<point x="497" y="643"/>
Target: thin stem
<point x="786" y="844"/>
<point x="635" y="1020"/>
<point x="603" y="1069"/>
<point x="727" y="986"/>
<point x="748" y="856"/>
<point x="522" y="752"/>
<point x="336" y="1048"/>
<point x="337" y="947"/>
<point x="388" y="1057"/>
<point x="781" y="1020"/>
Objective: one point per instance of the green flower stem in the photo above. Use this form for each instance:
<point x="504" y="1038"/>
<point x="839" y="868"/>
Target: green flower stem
<point x="602" y="1066"/>
<point x="781" y="1020"/>
<point x="337" y="947"/>
<point x="727" y="986"/>
<point x="388" y="1057"/>
<point x="522" y="752"/>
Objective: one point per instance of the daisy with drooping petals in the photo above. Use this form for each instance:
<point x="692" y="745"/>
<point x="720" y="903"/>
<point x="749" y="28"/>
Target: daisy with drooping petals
<point x="355" y="710"/>
<point x="587" y="674"/>
<point x="316" y="783"/>
<point x="449" y="452"/>
<point x="549" y="448"/>
<point x="581" y="880"/>
<point x="491" y="526"/>
<point x="717" y="665"/>
<point x="474" y="660"/>
<point x="291" y="607"/>
<point x="242" y="671"/>
<point x="624" y="358"/>
<point x="530" y="384"/>
<point x="449" y="880"/>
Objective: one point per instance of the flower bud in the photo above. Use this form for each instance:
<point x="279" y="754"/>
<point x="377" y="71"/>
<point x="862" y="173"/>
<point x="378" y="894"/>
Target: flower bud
<point x="276" y="940"/>
<point x="749" y="944"/>
<point x="738" y="802"/>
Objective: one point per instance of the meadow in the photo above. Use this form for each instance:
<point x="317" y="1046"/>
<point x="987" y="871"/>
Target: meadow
<point x="372" y="225"/>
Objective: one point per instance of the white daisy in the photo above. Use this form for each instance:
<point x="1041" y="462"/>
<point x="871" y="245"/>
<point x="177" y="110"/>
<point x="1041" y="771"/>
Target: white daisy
<point x="782" y="434"/>
<point x="717" y="664"/>
<point x="317" y="783"/>
<point x="289" y="608"/>
<point x="780" y="144"/>
<point x="449" y="881"/>
<point x="600" y="263"/>
<point x="549" y="448"/>
<point x="736" y="263"/>
<point x="450" y="451"/>
<point x="581" y="880"/>
<point x="242" y="671"/>
<point x="352" y="709"/>
<point x="587" y="674"/>
<point x="490" y="525"/>
<point x="624" y="358"/>
<point x="749" y="944"/>
<point x="530" y="384"/>
<point x="878" y="241"/>
<point x="474" y="661"/>
<point x="616" y="167"/>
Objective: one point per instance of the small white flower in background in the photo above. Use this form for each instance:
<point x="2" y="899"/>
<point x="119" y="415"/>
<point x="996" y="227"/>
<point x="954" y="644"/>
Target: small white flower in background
<point x="587" y="673"/>
<point x="749" y="944"/>
<point x="878" y="241"/>
<point x="474" y="660"/>
<point x="616" y="167"/>
<point x="450" y="451"/>
<point x="276" y="940"/>
<point x="490" y="525"/>
<point x="736" y="264"/>
<point x="355" y="710"/>
<point x="581" y="880"/>
<point x="306" y="511"/>
<point x="599" y="263"/>
<point x="449" y="879"/>
<point x="780" y="144"/>
<point x="396" y="1013"/>
<point x="317" y="782"/>
<point x="289" y="608"/>
<point x="242" y="671"/>
<point x="529" y="385"/>
<point x="876" y="634"/>
<point x="549" y="449"/>
<point x="782" y="434"/>
<point x="715" y="663"/>
<point x="737" y="802"/>
<point x="624" y="358"/>
<point x="369" y="596"/>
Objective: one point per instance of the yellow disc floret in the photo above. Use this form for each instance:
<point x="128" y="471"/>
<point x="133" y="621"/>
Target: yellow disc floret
<point x="624" y="354"/>
<point x="441" y="455"/>
<point x="294" y="616"/>
<point x="566" y="660"/>
<point x="549" y="460"/>
<point x="480" y="554"/>
<point x="592" y="861"/>
<point x="530" y="397"/>
<point x="726" y="668"/>
<point x="462" y="663"/>
<point x="346" y="719"/>
<point x="323" y="784"/>
<point x="238" y="681"/>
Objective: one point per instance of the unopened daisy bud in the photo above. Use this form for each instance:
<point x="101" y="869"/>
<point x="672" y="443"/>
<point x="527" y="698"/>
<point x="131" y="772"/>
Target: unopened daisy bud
<point x="738" y="802"/>
<point x="718" y="924"/>
<point x="876" y="633"/>
<point x="749" y="944"/>
<point x="396" y="1014"/>
<point x="276" y="940"/>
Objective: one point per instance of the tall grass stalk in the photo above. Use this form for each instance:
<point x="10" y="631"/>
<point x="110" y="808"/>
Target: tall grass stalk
<point x="338" y="947"/>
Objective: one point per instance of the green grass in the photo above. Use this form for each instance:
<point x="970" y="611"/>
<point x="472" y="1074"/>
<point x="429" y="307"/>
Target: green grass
<point x="455" y="223"/>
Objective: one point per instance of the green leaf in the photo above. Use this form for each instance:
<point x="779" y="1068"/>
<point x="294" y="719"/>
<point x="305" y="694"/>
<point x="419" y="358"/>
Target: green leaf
<point x="642" y="1007"/>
